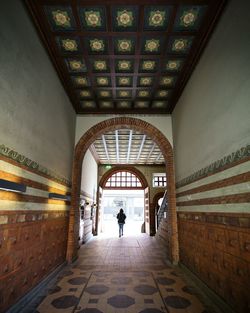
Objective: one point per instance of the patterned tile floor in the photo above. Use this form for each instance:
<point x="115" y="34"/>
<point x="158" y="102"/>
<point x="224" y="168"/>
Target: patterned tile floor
<point x="119" y="275"/>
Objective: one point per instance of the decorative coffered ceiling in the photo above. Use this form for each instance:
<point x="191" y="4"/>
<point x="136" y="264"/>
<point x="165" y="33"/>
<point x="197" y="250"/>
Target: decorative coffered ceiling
<point x="124" y="56"/>
<point x="125" y="146"/>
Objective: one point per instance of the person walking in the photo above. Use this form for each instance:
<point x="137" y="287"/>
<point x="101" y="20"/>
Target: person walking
<point x="121" y="221"/>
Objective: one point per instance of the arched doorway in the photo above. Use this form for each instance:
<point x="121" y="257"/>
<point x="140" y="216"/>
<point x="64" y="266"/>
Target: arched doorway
<point x="83" y="144"/>
<point x="124" y="178"/>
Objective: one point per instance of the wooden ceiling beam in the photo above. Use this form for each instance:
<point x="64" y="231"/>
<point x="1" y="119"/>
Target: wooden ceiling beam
<point x="129" y="144"/>
<point x="141" y="147"/>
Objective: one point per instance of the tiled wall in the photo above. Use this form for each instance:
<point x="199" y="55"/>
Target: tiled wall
<point x="214" y="227"/>
<point x="33" y="230"/>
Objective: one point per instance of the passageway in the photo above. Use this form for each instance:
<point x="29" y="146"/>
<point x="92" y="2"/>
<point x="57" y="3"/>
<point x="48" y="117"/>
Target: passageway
<point x="129" y="274"/>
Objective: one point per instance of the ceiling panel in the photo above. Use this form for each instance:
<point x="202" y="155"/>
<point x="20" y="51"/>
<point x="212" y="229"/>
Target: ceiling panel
<point x="124" y="56"/>
<point x="125" y="146"/>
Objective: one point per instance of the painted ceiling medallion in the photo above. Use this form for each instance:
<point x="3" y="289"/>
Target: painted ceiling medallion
<point x="124" y="65"/>
<point x="100" y="65"/>
<point x="88" y="104"/>
<point x="81" y="81"/>
<point x="61" y="18"/>
<point x="102" y="81"/>
<point x="188" y="18"/>
<point x="85" y="93"/>
<point x="148" y="65"/>
<point x="180" y="45"/>
<point x="106" y="104"/>
<point x="76" y="65"/>
<point x="69" y="45"/>
<point x="152" y="45"/>
<point x="167" y="81"/>
<point x="124" y="93"/>
<point x="143" y="93"/>
<point x="145" y="81"/>
<point x="97" y="45"/>
<point x="93" y="18"/>
<point x="162" y="93"/>
<point x="159" y="104"/>
<point x="124" y="45"/>
<point x="125" y="18"/>
<point x="124" y="104"/>
<point x="124" y="81"/>
<point x="173" y="65"/>
<point x="104" y="93"/>
<point x="141" y="104"/>
<point x="157" y="18"/>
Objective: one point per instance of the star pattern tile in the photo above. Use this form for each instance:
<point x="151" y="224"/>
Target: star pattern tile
<point x="112" y="45"/>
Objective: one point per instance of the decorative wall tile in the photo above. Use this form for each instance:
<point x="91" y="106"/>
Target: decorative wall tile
<point x="189" y="17"/>
<point x="93" y="18"/>
<point x="124" y="18"/>
<point x="60" y="18"/>
<point x="156" y="17"/>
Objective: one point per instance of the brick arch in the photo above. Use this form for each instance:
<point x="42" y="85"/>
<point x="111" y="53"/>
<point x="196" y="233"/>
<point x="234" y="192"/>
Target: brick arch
<point x="130" y="169"/>
<point x="82" y="146"/>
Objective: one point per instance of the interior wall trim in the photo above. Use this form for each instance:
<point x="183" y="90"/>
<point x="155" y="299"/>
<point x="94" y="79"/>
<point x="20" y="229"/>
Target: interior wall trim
<point x="22" y="161"/>
<point x="235" y="158"/>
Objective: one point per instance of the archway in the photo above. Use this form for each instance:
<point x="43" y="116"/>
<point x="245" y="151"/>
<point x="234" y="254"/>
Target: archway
<point x="124" y="178"/>
<point x="83" y="144"/>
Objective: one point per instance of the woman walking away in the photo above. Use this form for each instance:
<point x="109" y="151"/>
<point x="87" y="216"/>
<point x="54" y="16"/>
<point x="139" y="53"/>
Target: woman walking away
<point x="121" y="221"/>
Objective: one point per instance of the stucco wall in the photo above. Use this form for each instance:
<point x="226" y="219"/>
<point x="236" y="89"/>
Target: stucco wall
<point x="211" y="119"/>
<point x="89" y="175"/>
<point x="36" y="117"/>
<point x="163" y="123"/>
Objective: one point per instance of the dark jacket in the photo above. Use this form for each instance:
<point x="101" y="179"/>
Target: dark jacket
<point x="121" y="218"/>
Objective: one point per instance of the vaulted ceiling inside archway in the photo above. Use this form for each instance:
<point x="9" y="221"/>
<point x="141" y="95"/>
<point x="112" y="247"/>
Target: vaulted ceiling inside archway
<point x="125" y="146"/>
<point x="124" y="56"/>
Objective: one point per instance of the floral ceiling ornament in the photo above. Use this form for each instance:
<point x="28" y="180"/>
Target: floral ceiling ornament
<point x="172" y="65"/>
<point x="124" y="45"/>
<point x="61" y="18"/>
<point x="124" y="104"/>
<point x="148" y="65"/>
<point x="152" y="45"/>
<point x="75" y="65"/>
<point x="106" y="104"/>
<point x="141" y="104"/>
<point x="180" y="44"/>
<point x="104" y="93"/>
<point x="102" y="81"/>
<point x="166" y="80"/>
<point x="97" y="45"/>
<point x="69" y="45"/>
<point x="100" y="65"/>
<point x="188" y="18"/>
<point x="85" y="93"/>
<point x="124" y="93"/>
<point x="162" y="93"/>
<point x="157" y="18"/>
<point x="145" y="81"/>
<point x="124" y="65"/>
<point x="93" y="18"/>
<point x="124" y="80"/>
<point x="143" y="93"/>
<point x="125" y="18"/>
<point x="81" y="81"/>
<point x="89" y="104"/>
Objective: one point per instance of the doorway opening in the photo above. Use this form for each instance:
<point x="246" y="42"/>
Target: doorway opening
<point x="132" y="202"/>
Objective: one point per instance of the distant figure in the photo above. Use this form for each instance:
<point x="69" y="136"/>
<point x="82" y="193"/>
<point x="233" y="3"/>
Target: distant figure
<point x="121" y="221"/>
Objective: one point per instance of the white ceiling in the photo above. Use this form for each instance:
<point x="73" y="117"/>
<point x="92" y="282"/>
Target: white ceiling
<point x="125" y="146"/>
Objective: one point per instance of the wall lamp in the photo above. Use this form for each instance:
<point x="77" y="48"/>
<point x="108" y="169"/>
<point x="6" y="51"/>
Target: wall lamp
<point x="58" y="196"/>
<point x="12" y="186"/>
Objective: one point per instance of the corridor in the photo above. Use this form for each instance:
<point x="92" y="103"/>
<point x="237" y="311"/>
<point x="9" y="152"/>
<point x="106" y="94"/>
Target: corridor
<point x="121" y="275"/>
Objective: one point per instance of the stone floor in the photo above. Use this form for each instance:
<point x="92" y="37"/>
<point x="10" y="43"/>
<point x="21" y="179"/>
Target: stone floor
<point x="128" y="274"/>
